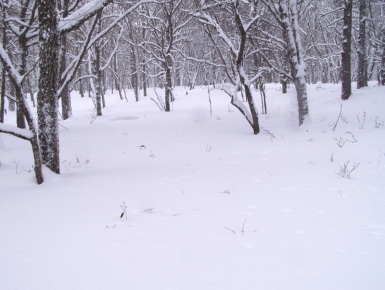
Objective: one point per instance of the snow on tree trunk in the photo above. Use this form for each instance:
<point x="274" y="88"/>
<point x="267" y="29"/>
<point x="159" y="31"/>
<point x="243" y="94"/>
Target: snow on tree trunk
<point x="19" y="94"/>
<point x="254" y="114"/>
<point x="30" y="135"/>
<point x="289" y="23"/>
<point x="97" y="83"/>
<point x="47" y="101"/>
<point x="346" y="73"/>
<point x="97" y="72"/>
<point x="254" y="122"/>
<point x="362" y="75"/>
<point x="34" y="139"/>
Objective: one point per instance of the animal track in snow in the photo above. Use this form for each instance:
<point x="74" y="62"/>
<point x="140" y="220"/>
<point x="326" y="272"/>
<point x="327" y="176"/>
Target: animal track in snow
<point x="376" y="230"/>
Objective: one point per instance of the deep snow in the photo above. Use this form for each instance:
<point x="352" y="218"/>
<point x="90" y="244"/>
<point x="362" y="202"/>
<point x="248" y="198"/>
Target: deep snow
<point x="209" y="204"/>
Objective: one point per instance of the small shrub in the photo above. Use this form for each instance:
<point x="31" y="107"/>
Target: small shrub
<point x="345" y="170"/>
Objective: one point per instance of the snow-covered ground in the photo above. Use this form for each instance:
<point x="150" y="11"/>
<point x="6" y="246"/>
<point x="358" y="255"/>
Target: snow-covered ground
<point x="209" y="204"/>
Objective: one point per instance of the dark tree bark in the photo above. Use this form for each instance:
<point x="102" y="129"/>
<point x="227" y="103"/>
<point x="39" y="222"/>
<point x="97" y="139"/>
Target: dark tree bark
<point x="2" y="96"/>
<point x="168" y="87"/>
<point x="31" y="92"/>
<point x="3" y="72"/>
<point x="362" y="75"/>
<point x="284" y="84"/>
<point x="20" y="121"/>
<point x="346" y="72"/>
<point x="16" y="80"/>
<point x="382" y="71"/>
<point x="144" y="78"/>
<point x="65" y="93"/>
<point x="23" y="39"/>
<point x="144" y="73"/>
<point x="236" y="45"/>
<point x="34" y="139"/>
<point x="81" y="85"/>
<point x="48" y="81"/>
<point x="167" y="54"/>
<point x="134" y="71"/>
<point x="11" y="102"/>
<point x="241" y="73"/>
<point x="115" y="77"/>
<point x="97" y="72"/>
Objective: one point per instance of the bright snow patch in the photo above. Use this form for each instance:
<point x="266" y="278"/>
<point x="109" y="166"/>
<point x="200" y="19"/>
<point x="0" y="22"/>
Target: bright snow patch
<point x="208" y="205"/>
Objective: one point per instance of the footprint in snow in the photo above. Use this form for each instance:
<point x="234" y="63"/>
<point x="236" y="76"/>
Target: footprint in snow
<point x="249" y="245"/>
<point x="286" y="210"/>
<point x="289" y="188"/>
<point x="376" y="230"/>
<point x="341" y="251"/>
<point x="299" y="233"/>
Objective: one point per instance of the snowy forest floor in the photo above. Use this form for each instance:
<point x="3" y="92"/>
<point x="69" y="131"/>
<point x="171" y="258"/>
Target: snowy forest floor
<point x="209" y="204"/>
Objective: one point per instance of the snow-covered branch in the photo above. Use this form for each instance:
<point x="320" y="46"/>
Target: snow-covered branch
<point x="9" y="66"/>
<point x="12" y="130"/>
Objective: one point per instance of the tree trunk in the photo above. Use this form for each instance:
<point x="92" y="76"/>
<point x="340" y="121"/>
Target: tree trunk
<point x="37" y="157"/>
<point x="2" y="96"/>
<point x="3" y="72"/>
<point x="295" y="54"/>
<point x="47" y="101"/>
<point x="346" y="73"/>
<point x="19" y="110"/>
<point x="240" y="70"/>
<point x="382" y="71"/>
<point x="81" y="85"/>
<point x="134" y="73"/>
<point x="144" y="77"/>
<point x="98" y="85"/>
<point x="65" y="93"/>
<point x="284" y="84"/>
<point x="11" y="102"/>
<point x="168" y="85"/>
<point x="253" y="110"/>
<point x="97" y="72"/>
<point x="362" y="75"/>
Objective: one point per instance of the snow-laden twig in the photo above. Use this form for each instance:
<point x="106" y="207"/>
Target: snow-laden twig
<point x="339" y="116"/>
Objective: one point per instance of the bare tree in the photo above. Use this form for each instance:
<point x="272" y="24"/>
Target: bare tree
<point x="346" y="72"/>
<point x="237" y="12"/>
<point x="3" y="70"/>
<point x="382" y="44"/>
<point x="165" y="23"/>
<point x="48" y="81"/>
<point x="286" y="13"/>
<point x="31" y="134"/>
<point x="65" y="93"/>
<point x="362" y="75"/>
